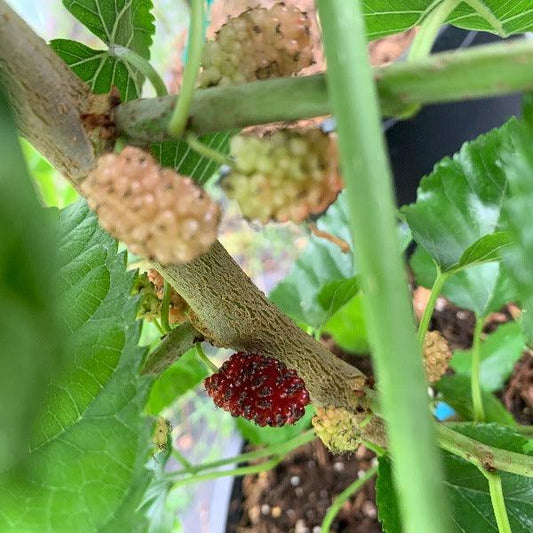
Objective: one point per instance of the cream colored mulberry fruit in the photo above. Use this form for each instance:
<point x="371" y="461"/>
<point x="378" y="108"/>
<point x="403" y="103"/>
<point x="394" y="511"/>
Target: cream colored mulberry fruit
<point x="258" y="44"/>
<point x="287" y="175"/>
<point x="157" y="213"/>
<point x="177" y="312"/>
<point x="337" y="428"/>
<point x="437" y="355"/>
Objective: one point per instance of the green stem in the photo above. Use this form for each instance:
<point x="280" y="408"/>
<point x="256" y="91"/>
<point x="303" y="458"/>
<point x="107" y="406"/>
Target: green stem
<point x="430" y="307"/>
<point x="485" y="457"/>
<point x="387" y="304"/>
<point x="498" y="502"/>
<point x="206" y="151"/>
<point x="427" y="33"/>
<point x="175" y="344"/>
<point x="158" y="326"/>
<point x="178" y="120"/>
<point x="165" y="306"/>
<point x="483" y="11"/>
<point x="475" y="386"/>
<point x="241" y="471"/>
<point x="273" y="449"/>
<point x="208" y="363"/>
<point x="445" y="77"/>
<point x="142" y="65"/>
<point x="182" y="459"/>
<point x="338" y="502"/>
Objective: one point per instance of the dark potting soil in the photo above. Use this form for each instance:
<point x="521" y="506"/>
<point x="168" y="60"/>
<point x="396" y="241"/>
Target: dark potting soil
<point x="295" y="496"/>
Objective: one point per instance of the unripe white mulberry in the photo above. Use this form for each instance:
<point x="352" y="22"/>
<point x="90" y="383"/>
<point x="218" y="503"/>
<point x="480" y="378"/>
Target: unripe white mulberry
<point x="437" y="356"/>
<point x="288" y="175"/>
<point x="258" y="44"/>
<point x="157" y="213"/>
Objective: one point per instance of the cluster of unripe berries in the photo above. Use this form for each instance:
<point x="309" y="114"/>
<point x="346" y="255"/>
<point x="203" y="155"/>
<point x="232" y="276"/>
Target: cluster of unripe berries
<point x="287" y="175"/>
<point x="258" y="44"/>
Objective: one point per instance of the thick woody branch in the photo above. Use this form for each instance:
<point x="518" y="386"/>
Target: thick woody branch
<point x="48" y="98"/>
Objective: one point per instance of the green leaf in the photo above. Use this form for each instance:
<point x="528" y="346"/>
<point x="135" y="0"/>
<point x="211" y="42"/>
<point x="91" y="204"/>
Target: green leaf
<point x="336" y="294"/>
<point x="258" y="435"/>
<point x="467" y="487"/>
<point x="89" y="452"/>
<point x="347" y="327"/>
<point x="128" y="23"/>
<point x="387" y="503"/>
<point x="483" y="288"/>
<point x="125" y="22"/>
<point x="383" y="17"/>
<point x="99" y="69"/>
<point x="321" y="262"/>
<point x="31" y="336"/>
<point x="485" y="250"/>
<point x="499" y="353"/>
<point x="460" y="202"/>
<point x="175" y="381"/>
<point x="517" y="216"/>
<point x="184" y="160"/>
<point x="455" y="391"/>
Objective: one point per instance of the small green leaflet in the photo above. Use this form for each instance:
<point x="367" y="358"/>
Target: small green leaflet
<point x="128" y="23"/>
<point x="88" y="456"/>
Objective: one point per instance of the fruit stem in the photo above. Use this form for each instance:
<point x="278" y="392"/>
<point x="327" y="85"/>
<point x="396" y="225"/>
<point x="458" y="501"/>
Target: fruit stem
<point x="430" y="306"/>
<point x="195" y="45"/>
<point x="498" y="501"/>
<point x="279" y="449"/>
<point x="206" y="151"/>
<point x="208" y="363"/>
<point x="165" y="306"/>
<point x="142" y="65"/>
<point x="386" y="300"/>
<point x="475" y="387"/>
<point x="339" y="500"/>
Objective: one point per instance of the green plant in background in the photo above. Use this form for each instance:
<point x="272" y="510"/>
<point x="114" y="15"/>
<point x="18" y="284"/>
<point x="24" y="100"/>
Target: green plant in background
<point x="75" y="445"/>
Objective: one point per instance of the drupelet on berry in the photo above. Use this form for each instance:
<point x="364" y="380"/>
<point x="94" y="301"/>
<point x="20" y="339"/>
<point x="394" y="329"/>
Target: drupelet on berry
<point x="261" y="389"/>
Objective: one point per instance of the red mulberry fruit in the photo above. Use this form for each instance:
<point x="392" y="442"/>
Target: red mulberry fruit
<point x="157" y="213"/>
<point x="288" y="175"/>
<point x="259" y="388"/>
<point x="258" y="44"/>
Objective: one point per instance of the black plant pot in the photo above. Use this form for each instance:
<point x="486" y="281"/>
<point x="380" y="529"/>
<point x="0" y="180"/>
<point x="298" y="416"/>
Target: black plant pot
<point x="415" y="145"/>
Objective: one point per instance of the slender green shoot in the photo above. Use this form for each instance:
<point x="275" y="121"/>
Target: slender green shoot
<point x="498" y="501"/>
<point x="165" y="306"/>
<point x="429" y="29"/>
<point x="182" y="459"/>
<point x="158" y="326"/>
<point x="206" y="151"/>
<point x="142" y="65"/>
<point x="475" y="386"/>
<point x="388" y="309"/>
<point x="195" y="46"/>
<point x="208" y="363"/>
<point x="440" y="280"/>
<point x="338" y="502"/>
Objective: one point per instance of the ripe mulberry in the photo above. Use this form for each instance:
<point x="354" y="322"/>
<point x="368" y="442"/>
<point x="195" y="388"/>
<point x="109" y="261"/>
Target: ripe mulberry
<point x="157" y="213"/>
<point x="259" y="388"/>
<point x="258" y="44"/>
<point x="288" y="175"/>
<point x="437" y="356"/>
